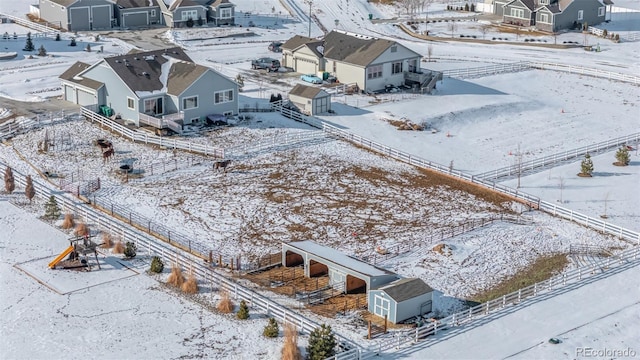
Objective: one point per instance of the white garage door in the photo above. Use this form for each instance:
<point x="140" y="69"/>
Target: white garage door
<point x="69" y="94"/>
<point x="305" y="66"/>
<point x="86" y="98"/>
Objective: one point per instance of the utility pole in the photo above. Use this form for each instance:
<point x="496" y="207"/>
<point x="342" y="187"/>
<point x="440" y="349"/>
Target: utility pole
<point x="310" y="3"/>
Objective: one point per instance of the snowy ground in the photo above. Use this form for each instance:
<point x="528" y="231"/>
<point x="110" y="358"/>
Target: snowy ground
<point x="486" y="118"/>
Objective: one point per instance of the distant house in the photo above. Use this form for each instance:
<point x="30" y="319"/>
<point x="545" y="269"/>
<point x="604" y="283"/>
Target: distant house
<point x="222" y="12"/>
<point x="162" y="88"/>
<point x="551" y="15"/>
<point x="371" y="63"/>
<point x="401" y="300"/>
<point x="178" y="13"/>
<point x="137" y="13"/>
<point x="310" y="100"/>
<point x="79" y="15"/>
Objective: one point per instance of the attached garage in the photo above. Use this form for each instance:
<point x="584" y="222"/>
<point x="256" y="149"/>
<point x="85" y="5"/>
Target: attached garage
<point x="79" y="18"/>
<point x="134" y="19"/>
<point x="310" y="100"/>
<point x="101" y="17"/>
<point x="80" y="90"/>
<point x="353" y="275"/>
<point x="401" y="300"/>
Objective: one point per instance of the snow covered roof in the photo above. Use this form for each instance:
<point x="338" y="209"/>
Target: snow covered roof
<point x="146" y="72"/>
<point x="336" y="257"/>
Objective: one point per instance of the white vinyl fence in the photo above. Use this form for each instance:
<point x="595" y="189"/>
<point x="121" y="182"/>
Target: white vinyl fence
<point x="527" y="166"/>
<point x="150" y="138"/>
<point x="30" y="24"/>
<point x="170" y="255"/>
<point x="20" y="125"/>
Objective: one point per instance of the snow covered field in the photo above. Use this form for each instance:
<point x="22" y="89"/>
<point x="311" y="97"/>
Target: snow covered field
<point x="541" y="112"/>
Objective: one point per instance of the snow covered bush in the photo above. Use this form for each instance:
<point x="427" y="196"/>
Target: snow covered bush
<point x="130" y="250"/>
<point x="157" y="266"/>
<point x="243" y="312"/>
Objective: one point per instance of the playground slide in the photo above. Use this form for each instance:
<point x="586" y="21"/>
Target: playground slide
<point x="60" y="257"/>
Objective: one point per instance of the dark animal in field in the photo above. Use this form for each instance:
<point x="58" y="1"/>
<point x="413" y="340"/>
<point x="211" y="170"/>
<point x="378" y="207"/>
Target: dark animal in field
<point x="107" y="154"/>
<point x="221" y="165"/>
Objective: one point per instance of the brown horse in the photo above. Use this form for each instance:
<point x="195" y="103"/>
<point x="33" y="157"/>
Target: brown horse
<point x="107" y="154"/>
<point x="221" y="165"/>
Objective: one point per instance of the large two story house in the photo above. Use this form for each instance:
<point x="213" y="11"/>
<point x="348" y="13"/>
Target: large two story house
<point x="369" y="62"/>
<point x="162" y="88"/>
<point x="82" y="15"/>
<point x="551" y="15"/>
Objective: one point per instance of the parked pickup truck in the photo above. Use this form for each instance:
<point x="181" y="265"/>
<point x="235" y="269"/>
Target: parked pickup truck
<point x="266" y="63"/>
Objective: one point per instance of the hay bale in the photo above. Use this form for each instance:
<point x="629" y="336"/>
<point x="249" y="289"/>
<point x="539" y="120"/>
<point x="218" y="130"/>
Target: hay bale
<point x="176" y="278"/>
<point x="68" y="222"/>
<point x="225" y="305"/>
<point x="118" y="247"/>
<point x="290" y="350"/>
<point x="107" y="242"/>
<point x="191" y="285"/>
<point x="438" y="248"/>
<point x="82" y="229"/>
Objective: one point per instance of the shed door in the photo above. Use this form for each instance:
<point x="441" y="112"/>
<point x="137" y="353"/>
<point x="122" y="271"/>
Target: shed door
<point x="86" y="98"/>
<point x="381" y="306"/>
<point x="68" y="94"/>
<point x="321" y="105"/>
<point x="336" y="277"/>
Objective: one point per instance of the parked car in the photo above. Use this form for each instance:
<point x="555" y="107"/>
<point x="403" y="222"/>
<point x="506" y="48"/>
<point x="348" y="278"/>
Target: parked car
<point x="275" y="46"/>
<point x="266" y="63"/>
<point x="311" y="78"/>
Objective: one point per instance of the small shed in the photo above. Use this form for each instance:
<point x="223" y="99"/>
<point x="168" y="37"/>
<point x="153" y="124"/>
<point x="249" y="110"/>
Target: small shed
<point x="354" y="275"/>
<point x="310" y="99"/>
<point x="401" y="299"/>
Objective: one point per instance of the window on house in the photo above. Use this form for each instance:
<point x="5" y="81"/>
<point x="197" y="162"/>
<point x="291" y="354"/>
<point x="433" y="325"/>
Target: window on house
<point x="224" y="96"/>
<point x="580" y="14"/>
<point x="601" y="11"/>
<point x="518" y="13"/>
<point x="374" y="72"/>
<point x="396" y="67"/>
<point x="189" y="14"/>
<point x="225" y="13"/>
<point x="153" y="106"/>
<point x="394" y="48"/>
<point x="131" y="103"/>
<point x="153" y="12"/>
<point x="544" y="18"/>
<point x="544" y="2"/>
<point x="190" y="103"/>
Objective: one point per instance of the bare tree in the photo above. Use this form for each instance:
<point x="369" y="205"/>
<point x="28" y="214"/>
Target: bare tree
<point x="429" y="52"/>
<point x="29" y="191"/>
<point x="9" y="181"/>
<point x="452" y="26"/>
<point x="484" y="29"/>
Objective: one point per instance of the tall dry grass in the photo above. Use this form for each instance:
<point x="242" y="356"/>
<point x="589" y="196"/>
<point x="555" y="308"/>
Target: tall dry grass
<point x="118" y="247"/>
<point x="68" y="222"/>
<point x="176" y="278"/>
<point x="82" y="229"/>
<point x="107" y="241"/>
<point x="191" y="285"/>
<point x="225" y="305"/>
<point x="290" y="350"/>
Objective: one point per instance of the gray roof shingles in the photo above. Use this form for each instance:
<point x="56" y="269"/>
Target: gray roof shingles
<point x="141" y="71"/>
<point x="297" y="41"/>
<point x="132" y="4"/>
<point x="73" y="71"/>
<point x="405" y="289"/>
<point x="353" y="49"/>
<point x="307" y="92"/>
